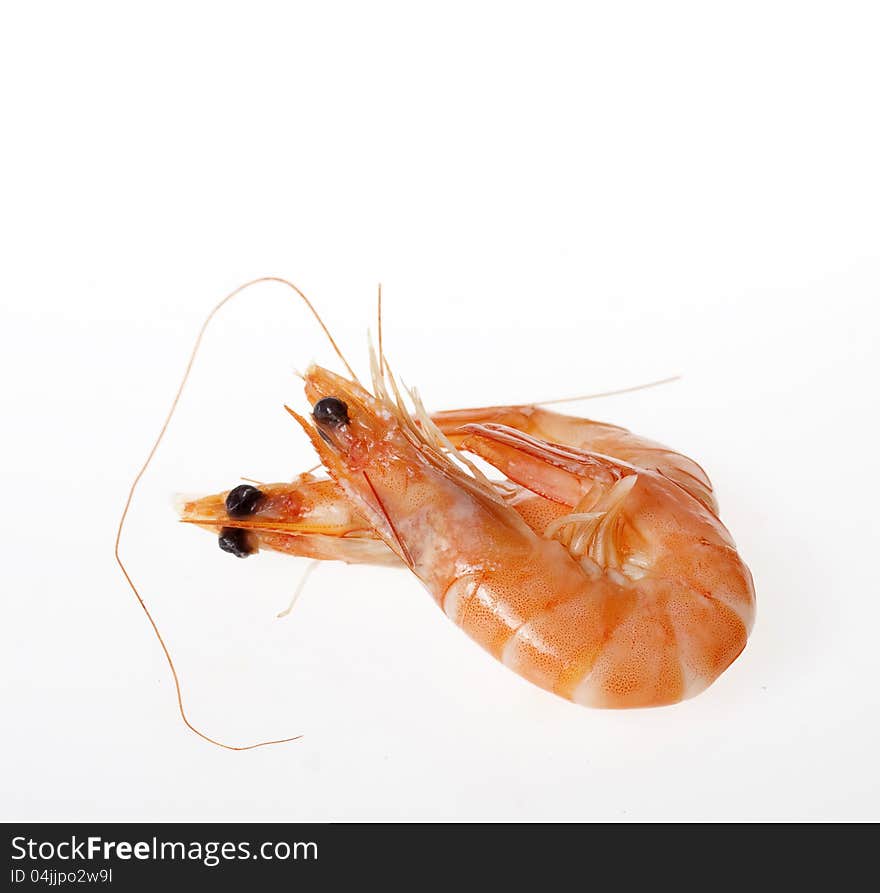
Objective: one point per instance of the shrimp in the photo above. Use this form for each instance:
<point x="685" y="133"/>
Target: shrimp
<point x="606" y="579"/>
<point x="597" y="568"/>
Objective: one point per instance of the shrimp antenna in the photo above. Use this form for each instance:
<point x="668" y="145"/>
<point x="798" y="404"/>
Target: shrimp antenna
<point x="379" y="327"/>
<point x="383" y="367"/>
<point x="146" y="465"/>
<point x="383" y="363"/>
<point x="614" y="393"/>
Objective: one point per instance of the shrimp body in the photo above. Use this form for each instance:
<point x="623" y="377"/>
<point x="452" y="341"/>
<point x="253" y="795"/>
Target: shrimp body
<point x="600" y="572"/>
<point x="668" y="603"/>
<point x="635" y="596"/>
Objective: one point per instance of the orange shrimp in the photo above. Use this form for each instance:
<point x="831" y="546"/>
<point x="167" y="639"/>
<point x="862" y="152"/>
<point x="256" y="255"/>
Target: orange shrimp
<point x="598" y="569"/>
<point x="609" y="582"/>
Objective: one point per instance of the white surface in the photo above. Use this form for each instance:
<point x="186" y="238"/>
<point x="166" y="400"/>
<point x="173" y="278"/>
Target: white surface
<point x="558" y="199"/>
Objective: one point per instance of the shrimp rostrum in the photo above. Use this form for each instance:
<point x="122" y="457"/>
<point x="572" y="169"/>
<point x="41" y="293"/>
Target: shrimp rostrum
<point x="596" y="567"/>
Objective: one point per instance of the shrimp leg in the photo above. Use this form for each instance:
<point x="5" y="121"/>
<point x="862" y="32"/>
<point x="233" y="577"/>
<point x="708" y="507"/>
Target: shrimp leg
<point x="586" y="434"/>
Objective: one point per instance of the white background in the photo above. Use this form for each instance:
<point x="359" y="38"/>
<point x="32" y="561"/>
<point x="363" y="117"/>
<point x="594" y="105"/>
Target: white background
<point x="559" y="199"/>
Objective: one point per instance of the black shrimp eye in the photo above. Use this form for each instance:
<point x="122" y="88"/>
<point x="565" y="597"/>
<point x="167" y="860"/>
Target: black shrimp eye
<point x="330" y="411"/>
<point x="243" y="501"/>
<point x="235" y="541"/>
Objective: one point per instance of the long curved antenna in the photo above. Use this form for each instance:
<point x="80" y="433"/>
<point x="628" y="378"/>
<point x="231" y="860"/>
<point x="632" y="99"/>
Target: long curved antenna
<point x="614" y="393"/>
<point x="146" y="464"/>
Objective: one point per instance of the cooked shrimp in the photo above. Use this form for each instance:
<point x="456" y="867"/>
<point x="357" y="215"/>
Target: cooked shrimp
<point x="633" y="596"/>
<point x="598" y="569"/>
